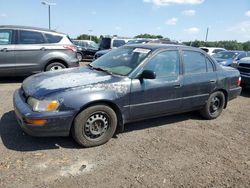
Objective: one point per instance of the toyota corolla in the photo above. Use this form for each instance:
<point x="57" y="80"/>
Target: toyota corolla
<point x="131" y="83"/>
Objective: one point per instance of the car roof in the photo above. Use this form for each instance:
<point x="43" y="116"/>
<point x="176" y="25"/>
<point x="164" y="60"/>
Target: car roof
<point x="155" y="46"/>
<point x="211" y="47"/>
<point x="28" y="28"/>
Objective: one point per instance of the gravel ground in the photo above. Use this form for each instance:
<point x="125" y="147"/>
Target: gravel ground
<point x="175" y="151"/>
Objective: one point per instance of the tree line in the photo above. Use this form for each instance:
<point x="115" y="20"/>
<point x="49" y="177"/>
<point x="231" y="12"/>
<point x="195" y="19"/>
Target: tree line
<point x="229" y="45"/>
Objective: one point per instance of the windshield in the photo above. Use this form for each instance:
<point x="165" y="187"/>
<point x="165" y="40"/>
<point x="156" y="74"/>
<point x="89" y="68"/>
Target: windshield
<point x="226" y="55"/>
<point x="121" y="61"/>
<point x="92" y="45"/>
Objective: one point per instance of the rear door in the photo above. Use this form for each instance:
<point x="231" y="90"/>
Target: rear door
<point x="199" y="79"/>
<point x="162" y="95"/>
<point x="7" y="56"/>
<point x="30" y="49"/>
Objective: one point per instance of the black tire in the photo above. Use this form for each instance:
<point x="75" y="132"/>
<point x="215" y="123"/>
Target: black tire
<point x="55" y="66"/>
<point x="94" y="126"/>
<point x="79" y="56"/>
<point x="214" y="105"/>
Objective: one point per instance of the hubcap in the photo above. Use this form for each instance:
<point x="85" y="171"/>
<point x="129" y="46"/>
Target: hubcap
<point x="215" y="104"/>
<point x="79" y="57"/>
<point x="96" y="125"/>
<point x="57" y="67"/>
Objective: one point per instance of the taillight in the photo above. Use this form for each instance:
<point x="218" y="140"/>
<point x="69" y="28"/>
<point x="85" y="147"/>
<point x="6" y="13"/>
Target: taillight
<point x="239" y="81"/>
<point x="71" y="47"/>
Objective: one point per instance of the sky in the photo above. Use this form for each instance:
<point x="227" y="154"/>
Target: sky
<point x="182" y="20"/>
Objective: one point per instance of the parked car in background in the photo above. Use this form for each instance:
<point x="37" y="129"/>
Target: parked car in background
<point x="86" y="49"/>
<point x="131" y="83"/>
<point x="138" y="41"/>
<point x="227" y="58"/>
<point x="112" y="42"/>
<point x="243" y="66"/>
<point x="29" y="50"/>
<point x="212" y="50"/>
<point x="109" y="43"/>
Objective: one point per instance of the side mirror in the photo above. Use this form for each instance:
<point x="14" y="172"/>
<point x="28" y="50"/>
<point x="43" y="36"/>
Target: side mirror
<point x="147" y="74"/>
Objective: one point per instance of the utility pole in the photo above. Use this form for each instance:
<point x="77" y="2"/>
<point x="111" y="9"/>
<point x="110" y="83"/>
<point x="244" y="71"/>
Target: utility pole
<point x="206" y="34"/>
<point x="90" y="37"/>
<point x="48" y="4"/>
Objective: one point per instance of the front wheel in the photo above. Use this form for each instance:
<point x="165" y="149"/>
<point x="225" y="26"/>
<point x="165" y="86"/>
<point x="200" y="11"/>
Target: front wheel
<point x="79" y="56"/>
<point x="214" y="105"/>
<point x="94" y="126"/>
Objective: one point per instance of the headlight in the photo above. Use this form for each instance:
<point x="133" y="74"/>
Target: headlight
<point x="43" y="105"/>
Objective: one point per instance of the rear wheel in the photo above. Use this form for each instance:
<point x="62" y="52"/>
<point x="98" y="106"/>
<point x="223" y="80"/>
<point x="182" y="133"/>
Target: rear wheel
<point x="214" y="105"/>
<point x="55" y="66"/>
<point x="94" y="126"/>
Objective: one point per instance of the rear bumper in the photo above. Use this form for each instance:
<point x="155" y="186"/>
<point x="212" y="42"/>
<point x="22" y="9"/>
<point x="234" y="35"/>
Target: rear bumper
<point x="58" y="123"/>
<point x="233" y="93"/>
<point x="74" y="63"/>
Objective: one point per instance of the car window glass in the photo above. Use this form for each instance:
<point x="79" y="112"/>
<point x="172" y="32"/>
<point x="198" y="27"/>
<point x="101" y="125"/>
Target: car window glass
<point x="205" y="49"/>
<point x="164" y="64"/>
<point x="5" y="37"/>
<point x="241" y="55"/>
<point x="118" y="43"/>
<point x="194" y="62"/>
<point x="217" y="50"/>
<point x="53" y="38"/>
<point x="31" y="37"/>
<point x="209" y="65"/>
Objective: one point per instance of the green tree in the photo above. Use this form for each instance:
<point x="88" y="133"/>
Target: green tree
<point x="146" y="35"/>
<point x="87" y="37"/>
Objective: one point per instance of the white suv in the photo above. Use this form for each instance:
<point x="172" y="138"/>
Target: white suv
<point x="211" y="50"/>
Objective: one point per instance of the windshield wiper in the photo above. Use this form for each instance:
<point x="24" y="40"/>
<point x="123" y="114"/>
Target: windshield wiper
<point x="100" y="69"/>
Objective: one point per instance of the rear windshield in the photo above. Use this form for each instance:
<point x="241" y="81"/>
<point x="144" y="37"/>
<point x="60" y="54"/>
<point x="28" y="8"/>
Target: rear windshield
<point x="118" y="43"/>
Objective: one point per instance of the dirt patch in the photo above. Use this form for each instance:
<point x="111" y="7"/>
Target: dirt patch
<point x="175" y="151"/>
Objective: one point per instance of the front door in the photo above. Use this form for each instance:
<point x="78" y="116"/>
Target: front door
<point x="162" y="95"/>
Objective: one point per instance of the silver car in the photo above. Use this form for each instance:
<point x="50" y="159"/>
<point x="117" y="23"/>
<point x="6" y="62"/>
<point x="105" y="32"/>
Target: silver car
<point x="29" y="50"/>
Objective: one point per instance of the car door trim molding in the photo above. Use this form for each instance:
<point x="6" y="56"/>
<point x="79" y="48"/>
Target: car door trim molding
<point x="160" y="101"/>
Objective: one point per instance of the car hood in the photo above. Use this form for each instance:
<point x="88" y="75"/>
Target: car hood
<point x="43" y="84"/>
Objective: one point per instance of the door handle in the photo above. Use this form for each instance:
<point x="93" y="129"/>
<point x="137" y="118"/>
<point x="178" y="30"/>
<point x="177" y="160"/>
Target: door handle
<point x="43" y="48"/>
<point x="4" y="50"/>
<point x="212" y="81"/>
<point x="177" y="85"/>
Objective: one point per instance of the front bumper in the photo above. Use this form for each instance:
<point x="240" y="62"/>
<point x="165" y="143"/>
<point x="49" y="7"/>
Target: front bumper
<point x="245" y="79"/>
<point x="58" y="123"/>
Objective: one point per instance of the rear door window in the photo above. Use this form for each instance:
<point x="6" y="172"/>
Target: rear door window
<point x="194" y="62"/>
<point x="5" y="37"/>
<point x="31" y="37"/>
<point x="53" y="38"/>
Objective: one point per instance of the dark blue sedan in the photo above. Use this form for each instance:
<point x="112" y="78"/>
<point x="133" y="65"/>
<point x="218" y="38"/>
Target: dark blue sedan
<point x="128" y="84"/>
<point x="228" y="58"/>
